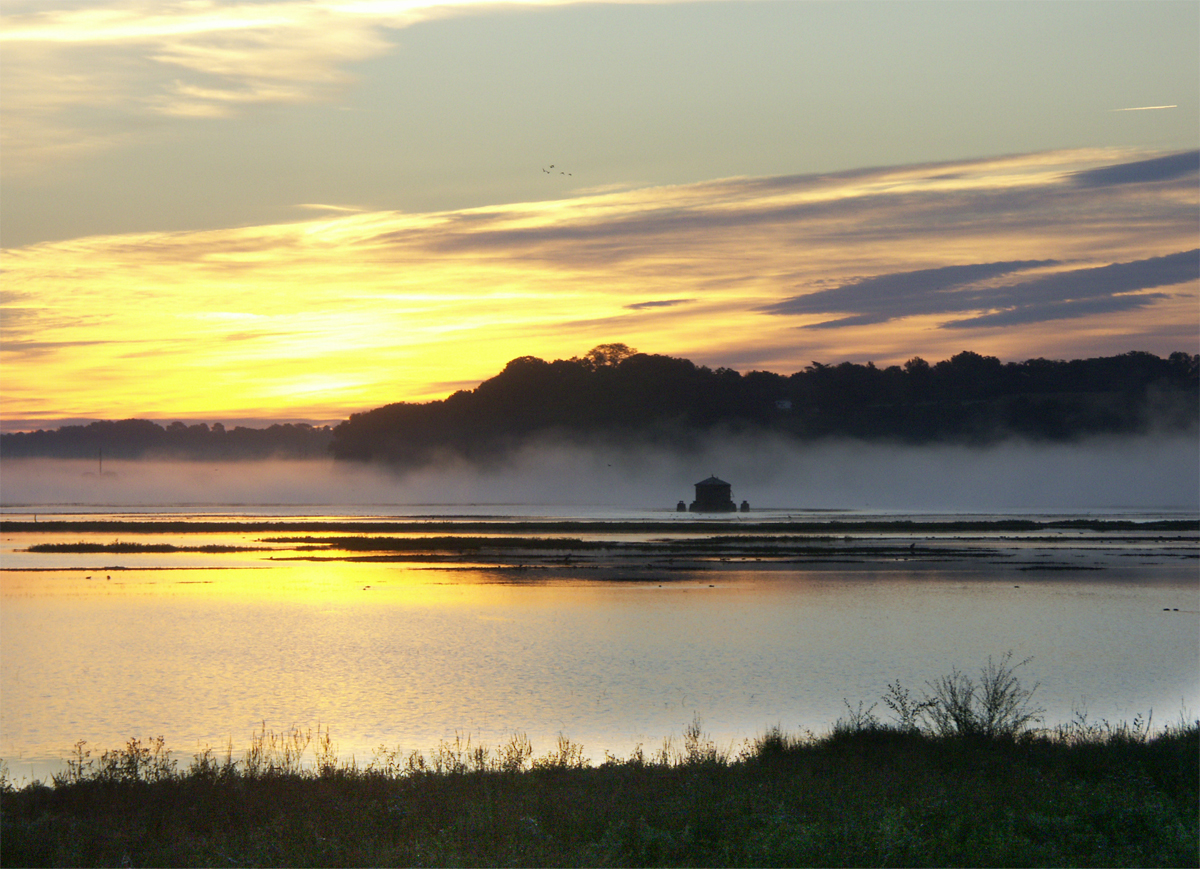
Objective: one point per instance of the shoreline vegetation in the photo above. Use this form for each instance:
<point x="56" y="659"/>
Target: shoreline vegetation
<point x="616" y="396"/>
<point x="963" y="773"/>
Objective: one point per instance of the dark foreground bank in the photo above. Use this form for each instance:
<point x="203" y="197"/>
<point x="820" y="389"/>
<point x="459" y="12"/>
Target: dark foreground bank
<point x="867" y="794"/>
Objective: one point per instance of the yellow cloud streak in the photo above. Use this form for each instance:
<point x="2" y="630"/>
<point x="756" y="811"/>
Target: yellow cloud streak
<point x="323" y="317"/>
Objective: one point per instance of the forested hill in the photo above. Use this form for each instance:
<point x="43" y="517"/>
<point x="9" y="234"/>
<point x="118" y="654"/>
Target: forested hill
<point x="141" y="438"/>
<point x="618" y="394"/>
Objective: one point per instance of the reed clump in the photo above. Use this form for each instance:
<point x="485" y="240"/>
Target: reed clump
<point x="994" y="706"/>
<point x="924" y="789"/>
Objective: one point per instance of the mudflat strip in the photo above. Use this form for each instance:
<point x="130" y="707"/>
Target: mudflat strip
<point x="657" y="550"/>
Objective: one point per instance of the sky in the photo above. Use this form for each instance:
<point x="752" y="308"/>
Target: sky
<point x="300" y="209"/>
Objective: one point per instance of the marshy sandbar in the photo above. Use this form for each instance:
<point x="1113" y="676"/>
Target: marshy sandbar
<point x="615" y="548"/>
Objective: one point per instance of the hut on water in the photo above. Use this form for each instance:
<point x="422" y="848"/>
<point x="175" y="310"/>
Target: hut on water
<point x="713" y="496"/>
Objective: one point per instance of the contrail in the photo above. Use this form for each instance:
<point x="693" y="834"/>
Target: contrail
<point x="1143" y="108"/>
<point x="320" y="206"/>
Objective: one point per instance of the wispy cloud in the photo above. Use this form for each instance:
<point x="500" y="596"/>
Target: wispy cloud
<point x="1171" y="167"/>
<point x="886" y="297"/>
<point x="875" y="264"/>
<point x="1083" y="292"/>
<point x="15" y="352"/>
<point x="85" y="76"/>
<point x="317" y="206"/>
<point x="1070" y="309"/>
<point x="662" y="303"/>
<point x="953" y="289"/>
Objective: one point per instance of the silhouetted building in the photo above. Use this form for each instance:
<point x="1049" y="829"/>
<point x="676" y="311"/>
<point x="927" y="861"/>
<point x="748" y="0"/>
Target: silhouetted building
<point x="713" y="496"/>
<point x="681" y="507"/>
<point x="745" y="508"/>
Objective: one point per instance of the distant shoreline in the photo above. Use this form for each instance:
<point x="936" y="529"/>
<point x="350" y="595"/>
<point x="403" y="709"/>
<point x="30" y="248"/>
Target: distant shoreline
<point x="507" y="526"/>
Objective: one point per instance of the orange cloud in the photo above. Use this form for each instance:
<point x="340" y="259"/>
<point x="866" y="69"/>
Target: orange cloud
<point x="323" y="317"/>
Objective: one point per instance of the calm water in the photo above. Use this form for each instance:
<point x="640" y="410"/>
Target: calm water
<point x="203" y="649"/>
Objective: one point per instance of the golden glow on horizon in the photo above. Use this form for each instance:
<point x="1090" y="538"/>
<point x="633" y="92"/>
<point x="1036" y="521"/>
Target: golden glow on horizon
<point x="321" y="318"/>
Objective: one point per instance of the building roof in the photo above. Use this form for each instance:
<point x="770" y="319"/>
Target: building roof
<point x="712" y="481"/>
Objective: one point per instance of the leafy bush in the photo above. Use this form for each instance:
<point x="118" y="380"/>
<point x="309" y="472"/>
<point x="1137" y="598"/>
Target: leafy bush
<point x="997" y="706"/>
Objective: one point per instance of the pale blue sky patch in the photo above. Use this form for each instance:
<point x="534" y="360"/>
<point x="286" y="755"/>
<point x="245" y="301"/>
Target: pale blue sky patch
<point x="233" y="113"/>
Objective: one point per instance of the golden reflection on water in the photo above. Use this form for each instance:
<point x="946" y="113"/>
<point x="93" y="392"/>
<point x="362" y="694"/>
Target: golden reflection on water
<point x="405" y="654"/>
<point x="297" y="582"/>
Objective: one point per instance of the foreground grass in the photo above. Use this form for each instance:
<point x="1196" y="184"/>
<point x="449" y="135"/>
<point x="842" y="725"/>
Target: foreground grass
<point x="865" y="794"/>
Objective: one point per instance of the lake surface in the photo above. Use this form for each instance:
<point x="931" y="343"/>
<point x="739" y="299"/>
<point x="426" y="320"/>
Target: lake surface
<point x="611" y="647"/>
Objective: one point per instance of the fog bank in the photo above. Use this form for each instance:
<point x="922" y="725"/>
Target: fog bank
<point x="1136" y="473"/>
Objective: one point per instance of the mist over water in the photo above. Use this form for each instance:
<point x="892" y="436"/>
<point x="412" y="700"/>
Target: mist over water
<point x="1143" y="473"/>
<point x="203" y="647"/>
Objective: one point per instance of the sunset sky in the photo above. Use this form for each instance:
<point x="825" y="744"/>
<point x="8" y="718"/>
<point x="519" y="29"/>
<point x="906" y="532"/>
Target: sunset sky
<point x="299" y="209"/>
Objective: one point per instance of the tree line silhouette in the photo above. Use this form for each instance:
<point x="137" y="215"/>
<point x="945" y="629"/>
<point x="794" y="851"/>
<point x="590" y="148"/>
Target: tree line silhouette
<point x="619" y="395"/>
<point x="141" y="438"/>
